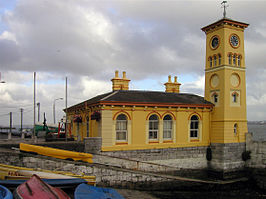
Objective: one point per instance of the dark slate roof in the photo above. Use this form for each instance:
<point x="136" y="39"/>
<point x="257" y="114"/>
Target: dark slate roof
<point x="136" y="96"/>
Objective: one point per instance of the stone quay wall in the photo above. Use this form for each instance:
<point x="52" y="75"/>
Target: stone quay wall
<point x="178" y="158"/>
<point x="110" y="176"/>
<point x="257" y="162"/>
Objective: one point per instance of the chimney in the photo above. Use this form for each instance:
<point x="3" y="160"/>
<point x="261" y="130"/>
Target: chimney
<point x="120" y="83"/>
<point x="172" y="87"/>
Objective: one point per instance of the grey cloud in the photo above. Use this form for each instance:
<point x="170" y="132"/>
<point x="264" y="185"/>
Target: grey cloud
<point x="148" y="39"/>
<point x="9" y="54"/>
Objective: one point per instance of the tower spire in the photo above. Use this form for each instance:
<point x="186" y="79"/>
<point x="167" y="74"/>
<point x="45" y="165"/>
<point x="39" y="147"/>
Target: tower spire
<point x="224" y="6"/>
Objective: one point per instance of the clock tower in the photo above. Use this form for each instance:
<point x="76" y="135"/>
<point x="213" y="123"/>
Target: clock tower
<point x="225" y="87"/>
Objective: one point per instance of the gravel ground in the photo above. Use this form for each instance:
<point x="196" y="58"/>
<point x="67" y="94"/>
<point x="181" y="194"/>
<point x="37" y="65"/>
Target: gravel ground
<point x="134" y="194"/>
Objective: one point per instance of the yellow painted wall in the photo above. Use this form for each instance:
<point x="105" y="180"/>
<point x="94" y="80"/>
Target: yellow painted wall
<point x="225" y="114"/>
<point x="224" y="33"/>
<point x="139" y="128"/>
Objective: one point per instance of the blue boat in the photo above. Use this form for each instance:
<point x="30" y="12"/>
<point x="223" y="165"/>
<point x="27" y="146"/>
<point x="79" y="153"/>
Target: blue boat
<point x="5" y="193"/>
<point x="85" y="191"/>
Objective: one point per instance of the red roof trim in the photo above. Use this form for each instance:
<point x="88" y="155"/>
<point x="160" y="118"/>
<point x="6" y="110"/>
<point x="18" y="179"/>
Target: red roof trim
<point x="153" y="104"/>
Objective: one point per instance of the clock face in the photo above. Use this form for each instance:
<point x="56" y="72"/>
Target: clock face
<point x="234" y="40"/>
<point x="215" y="42"/>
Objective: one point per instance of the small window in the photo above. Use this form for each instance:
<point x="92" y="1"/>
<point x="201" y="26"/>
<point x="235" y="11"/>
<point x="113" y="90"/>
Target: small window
<point x="234" y="97"/>
<point x="167" y="127"/>
<point x="153" y="127"/>
<point x="219" y="59"/>
<point x="121" y="128"/>
<point x="215" y="98"/>
<point x="239" y="60"/>
<point x="214" y="60"/>
<point x="194" y="126"/>
<point x="235" y="129"/>
<point x="234" y="59"/>
<point x="210" y="61"/>
<point x="230" y="59"/>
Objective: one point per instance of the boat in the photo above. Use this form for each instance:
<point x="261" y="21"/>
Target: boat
<point x="60" y="183"/>
<point x="85" y="191"/>
<point x="56" y="153"/>
<point x="12" y="176"/>
<point x="36" y="188"/>
<point x="5" y="193"/>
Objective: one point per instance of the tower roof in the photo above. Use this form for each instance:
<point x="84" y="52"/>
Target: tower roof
<point x="225" y="21"/>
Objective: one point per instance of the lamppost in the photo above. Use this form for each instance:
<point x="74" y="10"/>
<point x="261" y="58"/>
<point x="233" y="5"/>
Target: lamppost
<point x="0" y="79"/>
<point x="54" y="107"/>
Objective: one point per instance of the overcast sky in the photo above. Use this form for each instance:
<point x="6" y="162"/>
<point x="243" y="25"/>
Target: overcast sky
<point x="87" y="40"/>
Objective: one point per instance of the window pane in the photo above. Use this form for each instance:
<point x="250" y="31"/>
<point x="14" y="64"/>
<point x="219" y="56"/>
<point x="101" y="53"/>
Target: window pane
<point x="167" y="117"/>
<point x="194" y="117"/>
<point x="121" y="117"/>
<point x="194" y="126"/>
<point x="153" y="117"/>
<point x="121" y="128"/>
<point x="150" y="135"/>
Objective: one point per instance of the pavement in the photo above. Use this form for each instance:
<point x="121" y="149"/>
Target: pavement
<point x="135" y="194"/>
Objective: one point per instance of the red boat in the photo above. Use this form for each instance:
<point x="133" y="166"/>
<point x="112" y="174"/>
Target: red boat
<point x="35" y="188"/>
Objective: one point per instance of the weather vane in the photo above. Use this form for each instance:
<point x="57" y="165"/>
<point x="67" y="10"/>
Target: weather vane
<point x="224" y="6"/>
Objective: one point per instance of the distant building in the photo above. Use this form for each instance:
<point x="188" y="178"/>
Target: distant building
<point x="142" y="120"/>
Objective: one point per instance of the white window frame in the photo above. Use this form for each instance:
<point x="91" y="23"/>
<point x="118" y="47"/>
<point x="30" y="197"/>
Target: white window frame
<point x="121" y="127"/>
<point x="152" y="128"/>
<point x="168" y="128"/>
<point x="194" y="130"/>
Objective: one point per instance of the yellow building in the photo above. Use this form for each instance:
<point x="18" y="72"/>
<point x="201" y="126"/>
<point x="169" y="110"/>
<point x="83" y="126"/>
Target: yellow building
<point x="143" y="120"/>
<point x="130" y="120"/>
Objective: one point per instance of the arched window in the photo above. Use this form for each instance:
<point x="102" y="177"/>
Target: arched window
<point x="153" y="127"/>
<point x="167" y="127"/>
<point x="194" y="126"/>
<point x="234" y="60"/>
<point x="215" y="98"/>
<point x="234" y="97"/>
<point x="210" y="59"/>
<point x="239" y="60"/>
<point x="121" y="127"/>
<point x="235" y="129"/>
<point x="219" y="59"/>
<point x="214" y="60"/>
<point x="230" y="59"/>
